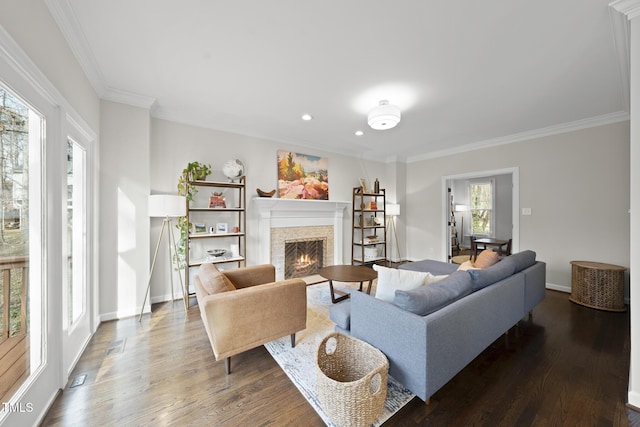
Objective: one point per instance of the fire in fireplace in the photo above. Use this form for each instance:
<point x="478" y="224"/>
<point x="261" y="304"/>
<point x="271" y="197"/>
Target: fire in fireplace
<point x="303" y="257"/>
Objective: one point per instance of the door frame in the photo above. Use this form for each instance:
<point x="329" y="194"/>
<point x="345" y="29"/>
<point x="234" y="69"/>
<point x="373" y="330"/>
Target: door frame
<point x="515" y="204"/>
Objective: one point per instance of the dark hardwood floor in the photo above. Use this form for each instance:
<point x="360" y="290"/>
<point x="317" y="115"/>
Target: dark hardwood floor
<point x="568" y="366"/>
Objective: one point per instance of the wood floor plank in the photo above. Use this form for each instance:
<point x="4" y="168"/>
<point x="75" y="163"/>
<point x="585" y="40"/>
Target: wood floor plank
<point x="567" y="366"/>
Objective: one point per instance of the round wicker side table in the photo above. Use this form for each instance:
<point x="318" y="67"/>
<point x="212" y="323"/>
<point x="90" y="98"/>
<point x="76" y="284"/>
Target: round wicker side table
<point x="597" y="285"/>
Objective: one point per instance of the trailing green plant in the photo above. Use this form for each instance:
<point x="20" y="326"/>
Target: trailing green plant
<point x="195" y="171"/>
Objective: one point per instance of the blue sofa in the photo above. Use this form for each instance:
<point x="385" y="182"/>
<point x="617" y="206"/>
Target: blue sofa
<point x="431" y="333"/>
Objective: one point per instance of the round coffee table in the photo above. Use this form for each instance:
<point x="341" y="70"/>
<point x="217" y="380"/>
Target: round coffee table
<point x="347" y="273"/>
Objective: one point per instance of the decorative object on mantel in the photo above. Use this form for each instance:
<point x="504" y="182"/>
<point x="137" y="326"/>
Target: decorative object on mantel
<point x="302" y="176"/>
<point x="262" y="193"/>
<point x="233" y="169"/>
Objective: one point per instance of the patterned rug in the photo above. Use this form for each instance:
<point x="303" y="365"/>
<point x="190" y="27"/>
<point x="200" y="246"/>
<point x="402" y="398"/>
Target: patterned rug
<point x="299" y="363"/>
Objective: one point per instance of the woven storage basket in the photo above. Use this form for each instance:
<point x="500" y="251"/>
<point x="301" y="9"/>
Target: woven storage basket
<point x="351" y="380"/>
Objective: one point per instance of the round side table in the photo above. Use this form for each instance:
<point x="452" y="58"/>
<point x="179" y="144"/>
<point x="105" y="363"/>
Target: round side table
<point x="597" y="285"/>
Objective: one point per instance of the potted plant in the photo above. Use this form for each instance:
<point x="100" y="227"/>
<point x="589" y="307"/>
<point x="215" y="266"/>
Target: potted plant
<point x="195" y="171"/>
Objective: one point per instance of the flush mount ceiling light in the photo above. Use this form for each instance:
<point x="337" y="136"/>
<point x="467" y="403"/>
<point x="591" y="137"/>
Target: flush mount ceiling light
<point x="307" y="117"/>
<point x="384" y="116"/>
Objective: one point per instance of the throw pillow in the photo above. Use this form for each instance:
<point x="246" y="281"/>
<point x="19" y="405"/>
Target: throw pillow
<point x="486" y="259"/>
<point x="467" y="265"/>
<point x="213" y="281"/>
<point x="427" y="299"/>
<point x="391" y="279"/>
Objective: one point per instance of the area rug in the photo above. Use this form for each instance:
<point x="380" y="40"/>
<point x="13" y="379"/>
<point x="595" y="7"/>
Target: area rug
<point x="299" y="363"/>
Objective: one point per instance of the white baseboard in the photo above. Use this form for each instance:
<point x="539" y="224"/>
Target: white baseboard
<point x="560" y="288"/>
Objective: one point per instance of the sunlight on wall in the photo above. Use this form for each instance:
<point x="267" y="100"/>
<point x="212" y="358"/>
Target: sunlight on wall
<point x="127" y="280"/>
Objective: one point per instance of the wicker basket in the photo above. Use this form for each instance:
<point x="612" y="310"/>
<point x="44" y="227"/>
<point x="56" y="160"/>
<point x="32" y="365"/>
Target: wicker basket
<point x="351" y="380"/>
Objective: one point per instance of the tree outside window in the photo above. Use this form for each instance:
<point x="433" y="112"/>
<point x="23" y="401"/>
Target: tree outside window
<point x="481" y="206"/>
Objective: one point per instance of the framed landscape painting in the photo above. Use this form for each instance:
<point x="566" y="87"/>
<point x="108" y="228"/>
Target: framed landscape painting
<point x="302" y="176"/>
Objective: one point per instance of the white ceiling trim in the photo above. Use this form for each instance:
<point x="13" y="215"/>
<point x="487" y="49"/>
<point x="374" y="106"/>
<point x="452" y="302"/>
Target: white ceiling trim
<point x="129" y="98"/>
<point x="630" y="8"/>
<point x="72" y="31"/>
<point x="526" y="136"/>
<point x="621" y="36"/>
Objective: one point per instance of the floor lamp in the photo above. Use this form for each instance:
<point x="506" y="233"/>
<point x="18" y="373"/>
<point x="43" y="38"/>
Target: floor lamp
<point x="166" y="206"/>
<point x="393" y="210"/>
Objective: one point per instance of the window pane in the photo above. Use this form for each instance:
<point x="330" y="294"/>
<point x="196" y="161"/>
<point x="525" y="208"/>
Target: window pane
<point x="75" y="231"/>
<point x="481" y="204"/>
<point x="20" y="241"/>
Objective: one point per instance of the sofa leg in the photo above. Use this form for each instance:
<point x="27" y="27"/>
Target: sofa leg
<point x="227" y="365"/>
<point x="293" y="340"/>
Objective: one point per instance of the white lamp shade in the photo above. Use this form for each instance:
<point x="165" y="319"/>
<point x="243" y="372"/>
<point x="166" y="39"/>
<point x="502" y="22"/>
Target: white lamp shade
<point x="167" y="205"/>
<point x="384" y="116"/>
<point x="461" y="208"/>
<point x="393" y="209"/>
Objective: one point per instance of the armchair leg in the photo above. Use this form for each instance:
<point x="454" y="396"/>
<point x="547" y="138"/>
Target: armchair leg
<point x="227" y="365"/>
<point x="293" y="340"/>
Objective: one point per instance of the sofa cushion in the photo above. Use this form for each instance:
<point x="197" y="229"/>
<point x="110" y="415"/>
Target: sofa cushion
<point x="522" y="260"/>
<point x="391" y="279"/>
<point x="487" y="276"/>
<point x="486" y="259"/>
<point x="213" y="281"/>
<point x="429" y="298"/>
<point x="432" y="266"/>
<point x="340" y="314"/>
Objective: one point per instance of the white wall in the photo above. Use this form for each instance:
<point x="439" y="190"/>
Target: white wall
<point x="124" y="224"/>
<point x="32" y="27"/>
<point x="174" y="145"/>
<point x="577" y="185"/>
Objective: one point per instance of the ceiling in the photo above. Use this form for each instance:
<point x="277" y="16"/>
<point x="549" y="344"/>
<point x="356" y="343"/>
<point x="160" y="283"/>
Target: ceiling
<point x="464" y="73"/>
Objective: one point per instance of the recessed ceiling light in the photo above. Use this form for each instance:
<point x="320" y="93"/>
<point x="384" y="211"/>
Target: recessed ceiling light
<point x="307" y="117"/>
<point x="359" y="133"/>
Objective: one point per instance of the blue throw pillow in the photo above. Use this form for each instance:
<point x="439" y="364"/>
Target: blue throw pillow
<point x="487" y="276"/>
<point x="429" y="298"/>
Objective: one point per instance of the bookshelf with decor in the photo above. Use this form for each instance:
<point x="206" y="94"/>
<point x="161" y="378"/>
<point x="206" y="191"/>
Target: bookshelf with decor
<point x="217" y="231"/>
<point x="368" y="235"/>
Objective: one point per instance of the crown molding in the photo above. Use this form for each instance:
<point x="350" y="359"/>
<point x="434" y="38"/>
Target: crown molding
<point x="129" y="98"/>
<point x="621" y="37"/>
<point x="630" y="8"/>
<point x="63" y="14"/>
<point x="526" y="136"/>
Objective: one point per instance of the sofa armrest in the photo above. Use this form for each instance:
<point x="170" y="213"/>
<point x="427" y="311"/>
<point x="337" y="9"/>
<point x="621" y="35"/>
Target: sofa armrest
<point x="250" y="276"/>
<point x="246" y="318"/>
<point x="399" y="334"/>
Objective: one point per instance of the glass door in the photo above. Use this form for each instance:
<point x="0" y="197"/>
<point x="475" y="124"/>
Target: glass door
<point x="75" y="298"/>
<point x="22" y="318"/>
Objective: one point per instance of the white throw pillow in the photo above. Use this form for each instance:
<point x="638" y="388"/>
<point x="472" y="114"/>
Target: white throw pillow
<point x="433" y="279"/>
<point x="391" y="279"/>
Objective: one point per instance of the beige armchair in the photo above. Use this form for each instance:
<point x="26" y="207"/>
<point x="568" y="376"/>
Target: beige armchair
<point x="244" y="308"/>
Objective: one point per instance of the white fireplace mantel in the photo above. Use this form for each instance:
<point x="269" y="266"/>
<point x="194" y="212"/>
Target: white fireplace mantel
<point x="278" y="213"/>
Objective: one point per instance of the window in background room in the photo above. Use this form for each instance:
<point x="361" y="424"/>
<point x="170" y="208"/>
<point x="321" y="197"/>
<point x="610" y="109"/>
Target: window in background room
<point x="482" y="203"/>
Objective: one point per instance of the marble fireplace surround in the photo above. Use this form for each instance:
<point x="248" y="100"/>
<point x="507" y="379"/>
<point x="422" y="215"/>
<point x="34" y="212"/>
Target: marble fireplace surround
<point x="276" y="214"/>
